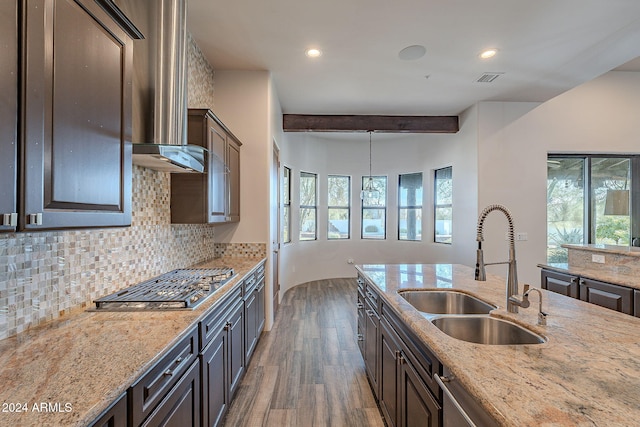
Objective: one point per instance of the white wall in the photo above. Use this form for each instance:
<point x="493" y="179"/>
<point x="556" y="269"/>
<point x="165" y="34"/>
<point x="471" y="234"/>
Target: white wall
<point x="599" y="116"/>
<point x="392" y="155"/>
<point x="243" y="105"/>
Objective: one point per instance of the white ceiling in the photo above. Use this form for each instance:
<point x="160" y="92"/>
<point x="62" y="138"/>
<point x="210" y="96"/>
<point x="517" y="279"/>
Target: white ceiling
<point x="545" y="48"/>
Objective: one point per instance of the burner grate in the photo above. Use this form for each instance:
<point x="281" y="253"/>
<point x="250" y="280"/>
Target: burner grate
<point x="177" y="289"/>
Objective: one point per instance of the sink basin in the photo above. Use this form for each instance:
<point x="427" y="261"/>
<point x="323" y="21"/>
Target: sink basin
<point x="446" y="302"/>
<point x="486" y="330"/>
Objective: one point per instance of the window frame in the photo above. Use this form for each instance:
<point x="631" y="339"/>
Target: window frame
<point x="286" y="205"/>
<point x="338" y="207"/>
<point x="437" y="205"/>
<point x="417" y="207"/>
<point x="364" y="208"/>
<point x="313" y="207"/>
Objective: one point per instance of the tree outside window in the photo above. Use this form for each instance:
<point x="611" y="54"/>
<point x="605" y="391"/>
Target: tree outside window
<point x="374" y="209"/>
<point x="410" y="207"/>
<point x="443" y="205"/>
<point x="339" y="207"/>
<point x="308" y="206"/>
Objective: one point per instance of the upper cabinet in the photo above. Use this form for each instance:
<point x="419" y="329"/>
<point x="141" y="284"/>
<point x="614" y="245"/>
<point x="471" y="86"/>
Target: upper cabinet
<point x="8" y="114"/>
<point x="65" y="115"/>
<point x="212" y="197"/>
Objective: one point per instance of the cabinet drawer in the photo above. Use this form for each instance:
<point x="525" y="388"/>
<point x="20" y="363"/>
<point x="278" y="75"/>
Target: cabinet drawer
<point x="564" y="284"/>
<point x="614" y="297"/>
<point x="260" y="272"/>
<point x="249" y="284"/>
<point x="149" y="390"/>
<point x="209" y="326"/>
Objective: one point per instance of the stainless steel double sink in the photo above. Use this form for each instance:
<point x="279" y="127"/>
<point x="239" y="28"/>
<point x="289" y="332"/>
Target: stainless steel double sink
<point x="467" y="318"/>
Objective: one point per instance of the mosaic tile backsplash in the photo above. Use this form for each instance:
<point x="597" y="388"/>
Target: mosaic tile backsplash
<point x="44" y="275"/>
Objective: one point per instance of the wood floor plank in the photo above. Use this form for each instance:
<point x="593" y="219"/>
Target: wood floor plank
<point x="308" y="371"/>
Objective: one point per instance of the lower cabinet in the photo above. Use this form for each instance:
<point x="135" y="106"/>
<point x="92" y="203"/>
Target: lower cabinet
<point x="181" y="406"/>
<point x="399" y="370"/>
<point x="194" y="382"/>
<point x="608" y="295"/>
<point x="222" y="362"/>
<point x="636" y="299"/>
<point x="115" y="415"/>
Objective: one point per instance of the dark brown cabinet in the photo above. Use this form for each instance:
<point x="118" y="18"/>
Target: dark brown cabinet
<point x="614" y="297"/>
<point x="608" y="295"/>
<point x="636" y="299"/>
<point x="149" y="393"/>
<point x="417" y="406"/>
<point x="115" y="415"/>
<point x="223" y="358"/>
<point x="8" y="115"/>
<point x="565" y="284"/>
<point x="181" y="406"/>
<point x="254" y="310"/>
<point x="371" y="335"/>
<point x="76" y="104"/>
<point x="212" y="197"/>
<point x="389" y="373"/>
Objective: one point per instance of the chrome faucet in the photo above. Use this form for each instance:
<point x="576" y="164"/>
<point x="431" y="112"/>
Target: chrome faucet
<point x="512" y="275"/>
<point x="542" y="316"/>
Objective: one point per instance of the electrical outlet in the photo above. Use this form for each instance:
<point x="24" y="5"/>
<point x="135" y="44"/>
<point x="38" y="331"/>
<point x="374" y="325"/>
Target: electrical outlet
<point x="522" y="236"/>
<point x="597" y="258"/>
<point x="350" y="261"/>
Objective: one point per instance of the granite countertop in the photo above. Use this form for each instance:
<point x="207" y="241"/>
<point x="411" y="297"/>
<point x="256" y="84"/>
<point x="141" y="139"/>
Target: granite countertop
<point x="79" y="364"/>
<point x="586" y="374"/>
<point x="611" y="249"/>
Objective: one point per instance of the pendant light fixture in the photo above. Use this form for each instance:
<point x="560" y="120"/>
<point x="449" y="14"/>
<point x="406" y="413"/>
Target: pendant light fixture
<point x="369" y="191"/>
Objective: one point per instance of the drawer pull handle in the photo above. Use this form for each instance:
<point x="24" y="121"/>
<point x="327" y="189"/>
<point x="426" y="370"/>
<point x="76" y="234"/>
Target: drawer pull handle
<point x="168" y="373"/>
<point x="360" y="305"/>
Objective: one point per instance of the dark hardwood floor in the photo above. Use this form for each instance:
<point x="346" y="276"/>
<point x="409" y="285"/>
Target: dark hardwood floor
<point x="307" y="371"/>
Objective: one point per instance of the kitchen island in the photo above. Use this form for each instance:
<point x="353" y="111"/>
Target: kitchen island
<point x="587" y="373"/>
<point x="67" y="372"/>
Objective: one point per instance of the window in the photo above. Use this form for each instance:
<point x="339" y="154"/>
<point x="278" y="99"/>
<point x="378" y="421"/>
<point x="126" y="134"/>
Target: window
<point x="410" y="207"/>
<point x="588" y="201"/>
<point x="308" y="203"/>
<point x="286" y="201"/>
<point x="374" y="208"/>
<point x="443" y="207"/>
<point x="339" y="207"/>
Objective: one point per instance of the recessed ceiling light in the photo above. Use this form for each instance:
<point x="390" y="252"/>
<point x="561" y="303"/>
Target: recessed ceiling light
<point x="413" y="52"/>
<point x="313" y="52"/>
<point x="488" y="53"/>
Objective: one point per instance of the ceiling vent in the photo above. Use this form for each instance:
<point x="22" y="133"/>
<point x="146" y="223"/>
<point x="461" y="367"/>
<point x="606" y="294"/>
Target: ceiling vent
<point x="488" y="77"/>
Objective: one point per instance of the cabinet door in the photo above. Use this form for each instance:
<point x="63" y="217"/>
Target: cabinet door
<point x="233" y="181"/>
<point x="389" y="358"/>
<point x="636" y="300"/>
<point x="8" y="114"/>
<point x="236" y="348"/>
<point x="561" y="283"/>
<point x="77" y="117"/>
<point x="251" y="322"/>
<point x="181" y="407"/>
<point x="215" y="391"/>
<point x="371" y="346"/>
<point x="260" y="290"/>
<point x="115" y="415"/>
<point x="217" y="173"/>
<point x="417" y="406"/>
<point x="615" y="297"/>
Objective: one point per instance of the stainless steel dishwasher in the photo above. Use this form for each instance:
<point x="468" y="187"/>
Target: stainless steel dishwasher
<point x="459" y="408"/>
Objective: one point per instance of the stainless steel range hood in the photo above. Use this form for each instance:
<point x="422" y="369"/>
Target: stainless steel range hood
<point x="161" y="104"/>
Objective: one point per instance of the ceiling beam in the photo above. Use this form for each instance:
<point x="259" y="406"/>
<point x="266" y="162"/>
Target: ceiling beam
<point x="365" y="123"/>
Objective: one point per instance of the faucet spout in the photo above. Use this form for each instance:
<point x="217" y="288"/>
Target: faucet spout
<point x="512" y="275"/>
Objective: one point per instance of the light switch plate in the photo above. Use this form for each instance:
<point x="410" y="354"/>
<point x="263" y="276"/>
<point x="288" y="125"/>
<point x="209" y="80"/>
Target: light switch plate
<point x="597" y="258"/>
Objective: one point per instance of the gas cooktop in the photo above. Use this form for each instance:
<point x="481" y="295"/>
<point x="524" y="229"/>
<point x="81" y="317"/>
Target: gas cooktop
<point x="177" y="289"/>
